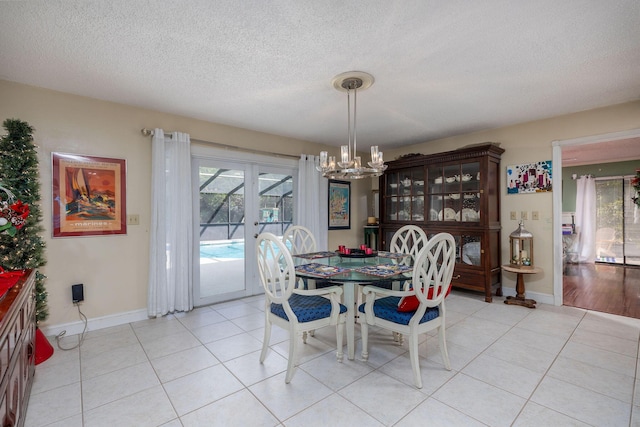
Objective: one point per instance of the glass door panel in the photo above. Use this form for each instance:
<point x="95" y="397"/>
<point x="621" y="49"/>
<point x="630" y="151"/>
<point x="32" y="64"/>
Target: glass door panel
<point x="470" y="197"/>
<point x="617" y="229"/>
<point x="221" y="230"/>
<point x="631" y="226"/>
<point x="275" y="195"/>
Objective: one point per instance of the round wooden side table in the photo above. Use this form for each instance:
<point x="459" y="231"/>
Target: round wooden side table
<point x="519" y="299"/>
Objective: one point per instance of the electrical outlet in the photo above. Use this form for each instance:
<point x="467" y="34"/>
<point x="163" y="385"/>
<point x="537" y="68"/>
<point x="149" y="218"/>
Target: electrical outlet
<point x="513" y="215"/>
<point x="535" y="215"/>
<point x="523" y="215"/>
<point x="133" y="219"/>
<point x="77" y="293"/>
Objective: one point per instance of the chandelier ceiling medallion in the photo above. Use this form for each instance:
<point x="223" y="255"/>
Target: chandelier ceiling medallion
<point x="349" y="165"/>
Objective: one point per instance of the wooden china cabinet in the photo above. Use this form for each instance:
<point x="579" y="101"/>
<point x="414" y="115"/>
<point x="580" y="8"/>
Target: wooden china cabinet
<point x="457" y="192"/>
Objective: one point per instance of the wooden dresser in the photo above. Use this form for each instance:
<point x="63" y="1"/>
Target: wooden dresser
<point x="17" y="349"/>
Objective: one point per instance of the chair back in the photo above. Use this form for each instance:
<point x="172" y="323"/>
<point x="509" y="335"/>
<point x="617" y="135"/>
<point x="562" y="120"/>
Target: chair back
<point x="299" y="239"/>
<point x="433" y="269"/>
<point x="409" y="239"/>
<point x="276" y="268"/>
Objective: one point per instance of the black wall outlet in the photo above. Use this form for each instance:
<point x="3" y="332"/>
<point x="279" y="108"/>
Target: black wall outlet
<point x="77" y="292"/>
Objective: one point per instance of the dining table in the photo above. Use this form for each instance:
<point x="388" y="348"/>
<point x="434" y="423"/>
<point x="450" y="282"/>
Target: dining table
<point x="352" y="270"/>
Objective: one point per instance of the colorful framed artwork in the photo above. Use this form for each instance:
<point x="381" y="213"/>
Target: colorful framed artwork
<point x="339" y="205"/>
<point x="89" y="195"/>
<point x="530" y="178"/>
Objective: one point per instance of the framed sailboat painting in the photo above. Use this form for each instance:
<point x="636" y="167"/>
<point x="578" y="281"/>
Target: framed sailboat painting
<point x="89" y="195"/>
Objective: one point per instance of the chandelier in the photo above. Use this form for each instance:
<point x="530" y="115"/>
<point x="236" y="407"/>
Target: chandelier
<point x="349" y="165"/>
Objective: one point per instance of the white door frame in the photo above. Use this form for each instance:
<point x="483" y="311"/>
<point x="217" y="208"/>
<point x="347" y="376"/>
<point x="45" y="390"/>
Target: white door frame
<point x="557" y="196"/>
<point x="253" y="163"/>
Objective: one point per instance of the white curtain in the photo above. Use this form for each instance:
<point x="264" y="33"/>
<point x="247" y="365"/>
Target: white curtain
<point x="586" y="219"/>
<point x="171" y="240"/>
<point x="311" y="200"/>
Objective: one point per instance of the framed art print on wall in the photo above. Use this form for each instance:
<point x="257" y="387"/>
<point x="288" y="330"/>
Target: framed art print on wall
<point x="89" y="195"/>
<point x="530" y="178"/>
<point x="339" y="205"/>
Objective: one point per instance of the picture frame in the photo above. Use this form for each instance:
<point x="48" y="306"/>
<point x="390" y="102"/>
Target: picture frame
<point x="89" y="195"/>
<point x="529" y="178"/>
<point x="339" y="205"/>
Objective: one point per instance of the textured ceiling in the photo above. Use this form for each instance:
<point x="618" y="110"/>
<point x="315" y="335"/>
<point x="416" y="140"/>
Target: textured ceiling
<point x="441" y="68"/>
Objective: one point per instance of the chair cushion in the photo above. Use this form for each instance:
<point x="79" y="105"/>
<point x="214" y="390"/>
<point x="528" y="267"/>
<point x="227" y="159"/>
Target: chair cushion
<point x="387" y="308"/>
<point x="306" y="308"/>
<point x="411" y="303"/>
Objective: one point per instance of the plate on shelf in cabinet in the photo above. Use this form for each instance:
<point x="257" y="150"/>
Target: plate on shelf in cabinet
<point x="419" y="182"/>
<point x="435" y="216"/>
<point x="454" y="196"/>
<point x="450" y="214"/>
<point x="393" y="185"/>
<point x="469" y="196"/>
<point x="469" y="215"/>
<point x="438" y="180"/>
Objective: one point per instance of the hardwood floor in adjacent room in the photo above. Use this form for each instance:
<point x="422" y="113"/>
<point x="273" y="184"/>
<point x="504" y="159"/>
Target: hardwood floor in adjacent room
<point x="606" y="288"/>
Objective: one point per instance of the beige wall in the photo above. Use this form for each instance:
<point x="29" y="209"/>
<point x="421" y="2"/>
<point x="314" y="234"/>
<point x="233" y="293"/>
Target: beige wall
<point x="114" y="268"/>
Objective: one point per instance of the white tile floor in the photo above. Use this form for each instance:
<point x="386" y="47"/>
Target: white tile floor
<point x="512" y="366"/>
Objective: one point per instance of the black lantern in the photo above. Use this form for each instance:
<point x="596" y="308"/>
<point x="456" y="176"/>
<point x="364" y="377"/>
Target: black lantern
<point x="521" y="248"/>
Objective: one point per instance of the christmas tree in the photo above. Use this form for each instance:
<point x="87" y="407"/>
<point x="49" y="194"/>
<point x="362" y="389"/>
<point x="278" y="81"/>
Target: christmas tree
<point x="19" y="173"/>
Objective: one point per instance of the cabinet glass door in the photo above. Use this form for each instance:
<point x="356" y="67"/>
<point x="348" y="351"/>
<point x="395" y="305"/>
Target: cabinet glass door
<point x="404" y="195"/>
<point x="454" y="192"/>
<point x="470" y="192"/>
<point x="468" y="249"/>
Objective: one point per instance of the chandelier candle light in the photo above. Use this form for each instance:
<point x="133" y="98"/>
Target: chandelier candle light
<point x="350" y="165"/>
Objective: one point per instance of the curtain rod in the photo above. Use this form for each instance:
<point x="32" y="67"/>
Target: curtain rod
<point x="149" y="132"/>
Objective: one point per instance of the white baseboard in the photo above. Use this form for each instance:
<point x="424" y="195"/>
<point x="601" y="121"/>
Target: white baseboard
<point x="538" y="297"/>
<point x="74" y="328"/>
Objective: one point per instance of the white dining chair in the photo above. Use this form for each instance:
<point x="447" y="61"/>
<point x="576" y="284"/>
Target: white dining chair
<point x="408" y="240"/>
<point x="299" y="239"/>
<point x="291" y="308"/>
<point x="431" y="280"/>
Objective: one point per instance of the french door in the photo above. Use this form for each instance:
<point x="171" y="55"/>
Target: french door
<point x="235" y="200"/>
<point x="617" y="223"/>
